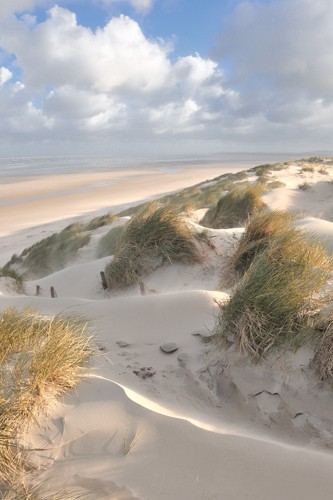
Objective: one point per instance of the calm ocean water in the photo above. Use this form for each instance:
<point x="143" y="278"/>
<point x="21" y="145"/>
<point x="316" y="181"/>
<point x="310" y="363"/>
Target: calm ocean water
<point x="47" y="165"/>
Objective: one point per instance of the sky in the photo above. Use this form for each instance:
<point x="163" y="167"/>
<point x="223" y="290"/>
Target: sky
<point x="165" y="77"/>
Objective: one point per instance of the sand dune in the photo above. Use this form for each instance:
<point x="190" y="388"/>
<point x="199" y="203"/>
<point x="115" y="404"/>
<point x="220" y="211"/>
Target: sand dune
<point x="198" y="423"/>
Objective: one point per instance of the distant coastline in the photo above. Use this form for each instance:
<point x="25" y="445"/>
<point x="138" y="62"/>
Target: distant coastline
<point x="53" y="165"/>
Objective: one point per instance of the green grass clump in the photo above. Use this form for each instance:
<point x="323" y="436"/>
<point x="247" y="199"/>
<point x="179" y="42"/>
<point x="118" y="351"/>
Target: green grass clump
<point x="108" y="244"/>
<point x="233" y="209"/>
<point x="259" y="230"/>
<point x="275" y="185"/>
<point x="308" y="168"/>
<point x="276" y="300"/>
<point x="262" y="170"/>
<point x="97" y="222"/>
<point x="40" y="359"/>
<point x="267" y="168"/>
<point x="156" y="235"/>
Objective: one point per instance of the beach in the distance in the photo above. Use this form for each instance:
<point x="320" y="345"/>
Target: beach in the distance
<point x="48" y="198"/>
<point x="46" y="190"/>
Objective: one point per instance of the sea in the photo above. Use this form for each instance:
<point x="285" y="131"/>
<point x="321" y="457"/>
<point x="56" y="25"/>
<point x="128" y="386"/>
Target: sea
<point x="50" y="165"/>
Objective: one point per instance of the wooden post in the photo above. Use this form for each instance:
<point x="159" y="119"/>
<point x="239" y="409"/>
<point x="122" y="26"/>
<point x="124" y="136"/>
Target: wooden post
<point x="53" y="292"/>
<point x="37" y="290"/>
<point x="142" y="288"/>
<point x="104" y="283"/>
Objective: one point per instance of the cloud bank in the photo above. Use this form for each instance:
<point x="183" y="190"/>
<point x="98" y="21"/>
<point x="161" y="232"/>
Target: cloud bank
<point x="267" y="87"/>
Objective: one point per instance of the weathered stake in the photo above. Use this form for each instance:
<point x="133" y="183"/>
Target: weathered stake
<point x="142" y="288"/>
<point x="104" y="283"/>
<point x="37" y="290"/>
<point x="53" y="292"/>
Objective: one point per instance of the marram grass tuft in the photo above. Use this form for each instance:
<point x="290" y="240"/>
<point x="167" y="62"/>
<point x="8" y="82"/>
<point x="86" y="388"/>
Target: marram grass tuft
<point x="276" y="301"/>
<point x="40" y="359"/>
<point x="158" y="234"/>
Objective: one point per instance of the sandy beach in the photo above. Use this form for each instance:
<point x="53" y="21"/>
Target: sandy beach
<point x="49" y="198"/>
<point x="195" y="424"/>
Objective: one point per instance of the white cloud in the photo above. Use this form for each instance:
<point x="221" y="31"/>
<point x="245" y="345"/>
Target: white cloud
<point x="111" y="81"/>
<point x="175" y="118"/>
<point x="59" y="51"/>
<point x="5" y="75"/>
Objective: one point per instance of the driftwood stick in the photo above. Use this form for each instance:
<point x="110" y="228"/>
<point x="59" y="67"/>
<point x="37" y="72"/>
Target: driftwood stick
<point x="37" y="290"/>
<point x="53" y="292"/>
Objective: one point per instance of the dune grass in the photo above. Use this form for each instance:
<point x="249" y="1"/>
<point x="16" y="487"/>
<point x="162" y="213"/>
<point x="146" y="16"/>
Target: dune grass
<point x="277" y="299"/>
<point x="56" y="251"/>
<point x="156" y="235"/>
<point x="259" y="230"/>
<point x="101" y="221"/>
<point x="108" y="244"/>
<point x="52" y="253"/>
<point x="233" y="209"/>
<point x="308" y="168"/>
<point x="40" y="359"/>
<point x="305" y="186"/>
<point x="275" y="185"/>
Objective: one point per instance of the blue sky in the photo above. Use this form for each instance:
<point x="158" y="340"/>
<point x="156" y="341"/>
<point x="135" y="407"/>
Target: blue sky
<point x="192" y="23"/>
<point x="139" y="77"/>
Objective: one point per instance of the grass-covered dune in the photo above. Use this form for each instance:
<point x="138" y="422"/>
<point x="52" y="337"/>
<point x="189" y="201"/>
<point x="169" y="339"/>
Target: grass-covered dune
<point x="156" y="235"/>
<point x="56" y="251"/>
<point x="276" y="302"/>
<point x="233" y="209"/>
<point x="260" y="228"/>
